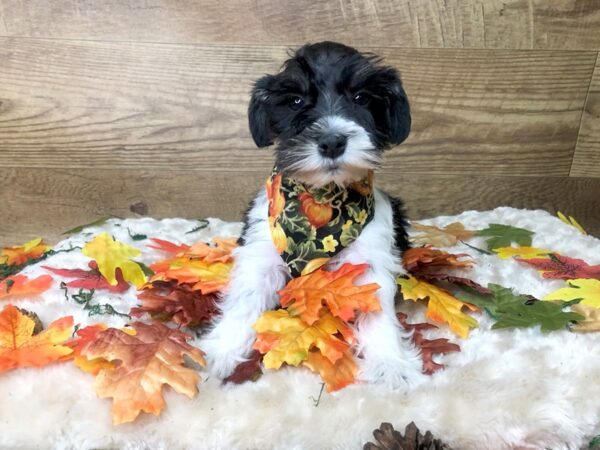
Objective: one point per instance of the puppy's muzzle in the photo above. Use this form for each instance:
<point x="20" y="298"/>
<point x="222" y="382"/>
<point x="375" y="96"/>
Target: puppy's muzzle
<point x="332" y="145"/>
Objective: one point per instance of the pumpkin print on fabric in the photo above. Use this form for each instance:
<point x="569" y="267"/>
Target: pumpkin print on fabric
<point x="311" y="225"/>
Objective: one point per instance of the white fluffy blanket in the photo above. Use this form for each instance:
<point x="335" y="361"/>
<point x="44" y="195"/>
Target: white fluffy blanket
<point x="505" y="389"/>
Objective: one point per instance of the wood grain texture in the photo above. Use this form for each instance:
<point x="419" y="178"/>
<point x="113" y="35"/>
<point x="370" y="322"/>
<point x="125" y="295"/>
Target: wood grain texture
<point x="586" y="160"/>
<point x="43" y="202"/>
<point x="150" y="106"/>
<point x="514" y="24"/>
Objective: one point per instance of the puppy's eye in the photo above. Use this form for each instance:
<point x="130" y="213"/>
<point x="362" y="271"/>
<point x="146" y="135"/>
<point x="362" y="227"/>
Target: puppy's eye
<point x="296" y="102"/>
<point x="361" y="99"/>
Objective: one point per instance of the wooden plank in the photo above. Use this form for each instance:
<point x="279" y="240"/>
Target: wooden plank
<point x="540" y="24"/>
<point x="46" y="202"/>
<point x="147" y="106"/>
<point x="586" y="161"/>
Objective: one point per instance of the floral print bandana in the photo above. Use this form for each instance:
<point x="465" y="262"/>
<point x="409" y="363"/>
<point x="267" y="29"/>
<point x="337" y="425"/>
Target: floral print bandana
<point x="311" y="225"/>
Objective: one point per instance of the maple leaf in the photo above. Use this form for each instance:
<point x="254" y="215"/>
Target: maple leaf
<point x="20" y="254"/>
<point x="591" y="318"/>
<point x="20" y="347"/>
<point x="142" y="365"/>
<point x="500" y="235"/>
<point x="563" y="267"/>
<point x="203" y="276"/>
<point x="287" y="339"/>
<point x="21" y="286"/>
<point x="583" y="289"/>
<point x="306" y="296"/>
<point x="248" y="370"/>
<point x="571" y="221"/>
<point x="111" y="255"/>
<point x="421" y="259"/>
<point x="549" y="315"/>
<point x="179" y="303"/>
<point x="336" y="375"/>
<point x="453" y="280"/>
<point x="440" y="237"/>
<point x="442" y="307"/>
<point x="522" y="252"/>
<point x="91" y="279"/>
<point x="428" y="347"/>
<point x="84" y="336"/>
<point x="220" y="252"/>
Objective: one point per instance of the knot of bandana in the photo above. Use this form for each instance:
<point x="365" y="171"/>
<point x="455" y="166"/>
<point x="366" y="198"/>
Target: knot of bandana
<point x="311" y="225"/>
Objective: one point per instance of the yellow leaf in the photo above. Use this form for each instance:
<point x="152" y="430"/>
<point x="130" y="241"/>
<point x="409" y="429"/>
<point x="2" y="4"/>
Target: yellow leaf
<point x="588" y="290"/>
<point x="442" y="307"/>
<point x="111" y="255"/>
<point x="591" y="321"/>
<point x="523" y="252"/>
<point x="571" y="221"/>
<point x="206" y="277"/>
<point x="440" y="237"/>
<point x="286" y="339"/>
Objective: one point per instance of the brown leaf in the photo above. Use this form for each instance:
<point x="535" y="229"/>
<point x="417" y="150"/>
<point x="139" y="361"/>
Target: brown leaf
<point x="432" y="277"/>
<point x="440" y="237"/>
<point x="248" y="370"/>
<point x="591" y="321"/>
<point x="426" y="259"/>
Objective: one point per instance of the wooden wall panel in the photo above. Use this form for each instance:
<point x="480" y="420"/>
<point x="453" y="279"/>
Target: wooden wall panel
<point x="525" y="24"/>
<point x="76" y="104"/>
<point x="45" y="202"/>
<point x="586" y="161"/>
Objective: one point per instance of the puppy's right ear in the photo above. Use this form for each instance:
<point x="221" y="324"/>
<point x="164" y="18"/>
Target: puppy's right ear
<point x="258" y="116"/>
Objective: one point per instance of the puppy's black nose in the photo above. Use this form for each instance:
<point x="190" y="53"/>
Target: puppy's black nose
<point x="332" y="145"/>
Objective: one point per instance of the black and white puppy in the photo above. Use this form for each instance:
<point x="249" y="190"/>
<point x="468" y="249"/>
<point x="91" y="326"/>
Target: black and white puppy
<point x="332" y="111"/>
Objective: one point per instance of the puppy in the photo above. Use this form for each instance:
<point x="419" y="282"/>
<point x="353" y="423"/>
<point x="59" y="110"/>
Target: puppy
<point x="332" y="111"/>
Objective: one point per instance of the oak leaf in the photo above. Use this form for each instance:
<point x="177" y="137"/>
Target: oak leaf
<point x="91" y="279"/>
<point x="586" y="290"/>
<point x="440" y="237"/>
<point x="591" y="315"/>
<point x="21" y="286"/>
<point x="442" y="306"/>
<point x="563" y="267"/>
<point x="20" y="254"/>
<point x="307" y="295"/>
<point x="522" y="252"/>
<point x="142" y="365"/>
<point x="20" y="347"/>
<point x="111" y="255"/>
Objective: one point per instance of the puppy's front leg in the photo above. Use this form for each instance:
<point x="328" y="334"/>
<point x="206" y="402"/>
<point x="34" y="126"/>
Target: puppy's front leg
<point x="257" y="275"/>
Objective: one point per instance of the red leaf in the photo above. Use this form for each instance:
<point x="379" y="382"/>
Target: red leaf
<point x="248" y="370"/>
<point x="428" y="347"/>
<point x="90" y="279"/>
<point x="563" y="267"/>
<point x="168" y="247"/>
<point x="179" y="303"/>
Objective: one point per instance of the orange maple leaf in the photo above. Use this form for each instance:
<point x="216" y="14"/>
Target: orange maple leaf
<point x="19" y="347"/>
<point x="20" y="254"/>
<point x="336" y="375"/>
<point x="306" y="295"/>
<point x="21" y="286"/>
<point x="84" y="336"/>
<point x="142" y="365"/>
<point x="220" y="252"/>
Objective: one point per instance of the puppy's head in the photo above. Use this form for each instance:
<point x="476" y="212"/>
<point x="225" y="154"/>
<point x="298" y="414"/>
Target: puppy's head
<point x="332" y="112"/>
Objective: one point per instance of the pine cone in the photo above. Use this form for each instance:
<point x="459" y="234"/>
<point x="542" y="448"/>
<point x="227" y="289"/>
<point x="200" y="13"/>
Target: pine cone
<point x="389" y="439"/>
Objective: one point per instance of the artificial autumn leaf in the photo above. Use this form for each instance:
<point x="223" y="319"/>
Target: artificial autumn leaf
<point x="84" y="336"/>
<point x="336" y="375"/>
<point x="440" y="237"/>
<point x="563" y="267"/>
<point x="220" y="252"/>
<point x="453" y="280"/>
<point x="494" y="300"/>
<point x="571" y="221"/>
<point x="522" y="252"/>
<point x="283" y="338"/>
<point x="425" y="259"/>
<point x="586" y="290"/>
<point x="21" y="286"/>
<point x="441" y="306"/>
<point x="91" y="279"/>
<point x="95" y="223"/>
<point x="549" y="315"/>
<point x="111" y="255"/>
<point x="20" y="254"/>
<point x="179" y="303"/>
<point x="168" y="247"/>
<point x="307" y="295"/>
<point x="499" y="235"/>
<point x="20" y="347"/>
<point x="591" y="315"/>
<point x="203" y="276"/>
<point x="248" y="370"/>
<point x="428" y="347"/>
<point x="142" y="365"/>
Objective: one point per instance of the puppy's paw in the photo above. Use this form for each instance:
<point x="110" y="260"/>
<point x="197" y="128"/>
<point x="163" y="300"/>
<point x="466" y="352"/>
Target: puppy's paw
<point x="395" y="372"/>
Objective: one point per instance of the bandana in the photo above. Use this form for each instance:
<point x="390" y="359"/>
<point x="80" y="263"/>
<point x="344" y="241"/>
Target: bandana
<point x="311" y="225"/>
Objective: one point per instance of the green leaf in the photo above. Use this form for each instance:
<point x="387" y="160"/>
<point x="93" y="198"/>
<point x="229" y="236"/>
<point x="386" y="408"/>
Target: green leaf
<point x="136" y="237"/>
<point x="147" y="270"/>
<point x="549" y="315"/>
<point x="491" y="303"/>
<point x="504" y="235"/>
<point x="594" y="443"/>
<point x="91" y="224"/>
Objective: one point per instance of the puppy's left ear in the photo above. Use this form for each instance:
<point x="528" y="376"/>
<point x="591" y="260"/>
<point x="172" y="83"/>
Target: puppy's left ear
<point x="398" y="110"/>
<point x="258" y="117"/>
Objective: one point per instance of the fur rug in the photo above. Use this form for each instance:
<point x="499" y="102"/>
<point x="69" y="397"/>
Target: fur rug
<point x="506" y="389"/>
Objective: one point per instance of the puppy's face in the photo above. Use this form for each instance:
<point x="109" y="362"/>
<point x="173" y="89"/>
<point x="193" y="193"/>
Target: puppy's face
<point x="332" y="111"/>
